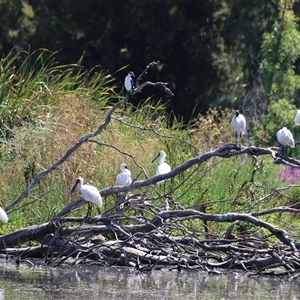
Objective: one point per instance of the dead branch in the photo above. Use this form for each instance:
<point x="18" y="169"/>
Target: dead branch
<point x="151" y="244"/>
<point x="142" y="234"/>
<point x="226" y="151"/>
<point x="84" y="139"/>
<point x="59" y="243"/>
<point x="163" y="85"/>
<point x="139" y="78"/>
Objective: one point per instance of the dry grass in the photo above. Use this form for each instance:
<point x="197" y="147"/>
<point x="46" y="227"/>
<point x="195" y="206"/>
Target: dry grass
<point x="57" y="129"/>
<point x="37" y="146"/>
<point x="213" y="129"/>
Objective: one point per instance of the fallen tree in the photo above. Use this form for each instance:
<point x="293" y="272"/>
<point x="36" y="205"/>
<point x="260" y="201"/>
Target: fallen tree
<point x="151" y="245"/>
<point x="139" y="233"/>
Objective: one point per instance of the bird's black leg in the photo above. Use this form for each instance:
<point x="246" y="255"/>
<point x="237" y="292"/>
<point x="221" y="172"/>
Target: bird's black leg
<point x="88" y="213"/>
<point x="284" y="150"/>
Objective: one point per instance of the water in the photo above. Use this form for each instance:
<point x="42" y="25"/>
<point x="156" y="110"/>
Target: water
<point x="121" y="283"/>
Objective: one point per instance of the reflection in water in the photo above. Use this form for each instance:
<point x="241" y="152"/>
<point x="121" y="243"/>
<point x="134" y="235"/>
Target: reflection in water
<point x="120" y="283"/>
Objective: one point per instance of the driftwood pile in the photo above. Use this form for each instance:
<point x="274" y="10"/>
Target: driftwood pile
<point x="159" y="238"/>
<point x="144" y="235"/>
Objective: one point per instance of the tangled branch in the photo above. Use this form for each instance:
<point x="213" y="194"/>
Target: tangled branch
<point x="141" y="232"/>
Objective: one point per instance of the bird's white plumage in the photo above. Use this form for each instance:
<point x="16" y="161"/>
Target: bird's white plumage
<point x="163" y="167"/>
<point x="297" y="118"/>
<point x="88" y="192"/>
<point x="285" y="137"/>
<point x="124" y="177"/>
<point x="238" y="123"/>
<point x="128" y="83"/>
<point x="3" y="215"/>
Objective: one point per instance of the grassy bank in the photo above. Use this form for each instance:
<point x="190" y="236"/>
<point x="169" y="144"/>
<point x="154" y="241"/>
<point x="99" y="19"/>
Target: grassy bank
<point x="46" y="108"/>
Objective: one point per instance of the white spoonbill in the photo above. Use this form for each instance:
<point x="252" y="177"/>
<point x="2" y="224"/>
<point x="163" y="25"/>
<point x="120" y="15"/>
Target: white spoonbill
<point x="124" y="177"/>
<point x="238" y="123"/>
<point x="88" y="192"/>
<point x="163" y="167"/>
<point x="285" y="138"/>
<point x="3" y="215"/>
<point x="297" y="118"/>
<point x="128" y="83"/>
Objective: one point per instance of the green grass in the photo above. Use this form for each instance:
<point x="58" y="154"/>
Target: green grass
<point x="45" y="119"/>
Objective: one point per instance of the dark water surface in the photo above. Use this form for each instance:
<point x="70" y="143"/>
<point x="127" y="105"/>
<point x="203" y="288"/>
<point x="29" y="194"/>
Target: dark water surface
<point x="120" y="283"/>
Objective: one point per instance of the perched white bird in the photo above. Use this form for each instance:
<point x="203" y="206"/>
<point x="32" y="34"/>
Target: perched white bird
<point x="285" y="137"/>
<point x="124" y="177"/>
<point x="297" y="118"/>
<point x="3" y="215"/>
<point x="163" y="167"/>
<point x="238" y="123"/>
<point x="128" y="83"/>
<point x="88" y="192"/>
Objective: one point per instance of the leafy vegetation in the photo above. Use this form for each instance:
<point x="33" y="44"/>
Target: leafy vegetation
<point x="73" y="102"/>
<point x="215" y="56"/>
<point x="212" y="53"/>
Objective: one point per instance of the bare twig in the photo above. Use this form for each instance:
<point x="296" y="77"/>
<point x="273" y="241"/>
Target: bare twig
<point x="138" y="232"/>
<point x="83" y="140"/>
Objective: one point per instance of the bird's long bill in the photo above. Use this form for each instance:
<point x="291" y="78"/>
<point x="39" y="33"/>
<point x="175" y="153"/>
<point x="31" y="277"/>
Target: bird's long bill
<point x="155" y="158"/>
<point x="74" y="187"/>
